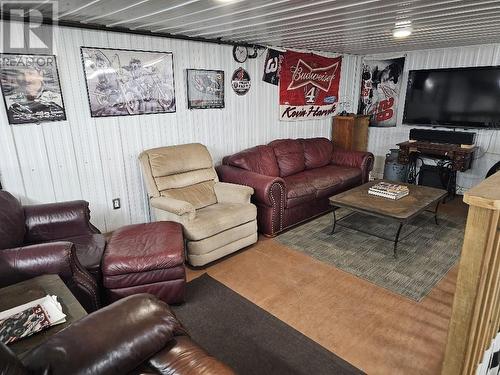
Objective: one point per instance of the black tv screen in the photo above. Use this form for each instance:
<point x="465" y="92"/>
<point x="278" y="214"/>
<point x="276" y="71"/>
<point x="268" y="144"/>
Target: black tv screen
<point x="461" y="97"/>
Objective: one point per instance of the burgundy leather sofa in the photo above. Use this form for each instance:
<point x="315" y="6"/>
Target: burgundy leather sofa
<point x="293" y="178"/>
<point x="136" y="335"/>
<point x="51" y="239"/>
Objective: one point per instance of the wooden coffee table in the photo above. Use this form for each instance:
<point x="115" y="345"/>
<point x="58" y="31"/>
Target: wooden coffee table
<point x="402" y="210"/>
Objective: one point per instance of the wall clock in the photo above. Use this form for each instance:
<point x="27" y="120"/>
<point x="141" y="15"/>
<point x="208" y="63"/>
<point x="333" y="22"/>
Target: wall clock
<point x="240" y="53"/>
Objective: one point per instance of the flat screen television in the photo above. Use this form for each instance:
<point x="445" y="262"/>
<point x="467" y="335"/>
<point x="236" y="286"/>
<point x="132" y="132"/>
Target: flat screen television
<point x="459" y="97"/>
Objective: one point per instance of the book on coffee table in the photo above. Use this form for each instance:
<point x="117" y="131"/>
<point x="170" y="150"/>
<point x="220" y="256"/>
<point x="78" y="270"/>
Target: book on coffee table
<point x="29" y="318"/>
<point x="388" y="190"/>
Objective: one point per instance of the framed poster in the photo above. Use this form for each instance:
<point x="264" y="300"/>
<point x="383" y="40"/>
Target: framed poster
<point x="309" y="86"/>
<point x="31" y="88"/>
<point x="380" y="88"/>
<point x="205" y="88"/>
<point x="128" y="82"/>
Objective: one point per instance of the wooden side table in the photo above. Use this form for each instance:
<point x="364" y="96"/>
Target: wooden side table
<point x="38" y="287"/>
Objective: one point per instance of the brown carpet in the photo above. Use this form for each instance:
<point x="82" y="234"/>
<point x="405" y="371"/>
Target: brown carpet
<point x="249" y="339"/>
<point x="426" y="251"/>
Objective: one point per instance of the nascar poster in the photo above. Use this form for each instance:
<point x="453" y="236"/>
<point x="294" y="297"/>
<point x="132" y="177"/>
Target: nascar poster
<point x="272" y="66"/>
<point x="309" y="86"/>
<point x="380" y="88"/>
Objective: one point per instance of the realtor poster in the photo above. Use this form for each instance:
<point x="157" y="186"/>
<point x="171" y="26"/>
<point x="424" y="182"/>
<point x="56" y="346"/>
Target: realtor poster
<point x="309" y="86"/>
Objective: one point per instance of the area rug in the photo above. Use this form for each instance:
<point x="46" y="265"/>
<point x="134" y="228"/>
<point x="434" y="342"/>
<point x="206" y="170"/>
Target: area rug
<point x="426" y="251"/>
<point x="249" y="339"/>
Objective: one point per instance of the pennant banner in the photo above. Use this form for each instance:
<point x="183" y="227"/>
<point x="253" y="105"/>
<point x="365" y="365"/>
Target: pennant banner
<point x="380" y="88"/>
<point x="309" y="86"/>
<point x="272" y="66"/>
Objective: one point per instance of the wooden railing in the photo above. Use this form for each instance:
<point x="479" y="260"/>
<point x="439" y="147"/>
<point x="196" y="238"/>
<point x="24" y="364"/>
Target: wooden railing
<point x="475" y="318"/>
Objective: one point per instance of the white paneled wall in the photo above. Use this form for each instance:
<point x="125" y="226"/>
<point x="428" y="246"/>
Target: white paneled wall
<point x="381" y="140"/>
<point x="96" y="158"/>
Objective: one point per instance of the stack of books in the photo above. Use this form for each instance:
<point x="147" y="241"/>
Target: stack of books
<point x="32" y="317"/>
<point x="388" y="190"/>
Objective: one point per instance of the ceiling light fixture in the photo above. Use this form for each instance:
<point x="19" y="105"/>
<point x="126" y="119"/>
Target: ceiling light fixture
<point x="402" y="29"/>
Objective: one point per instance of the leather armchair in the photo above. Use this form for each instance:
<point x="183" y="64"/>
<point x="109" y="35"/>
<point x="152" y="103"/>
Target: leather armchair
<point x="151" y="341"/>
<point x="48" y="239"/>
<point x="217" y="218"/>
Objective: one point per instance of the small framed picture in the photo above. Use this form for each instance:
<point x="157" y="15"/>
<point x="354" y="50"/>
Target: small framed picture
<point x="31" y="89"/>
<point x="205" y="88"/>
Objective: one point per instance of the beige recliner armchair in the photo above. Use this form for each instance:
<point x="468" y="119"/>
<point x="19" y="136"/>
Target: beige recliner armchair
<point x="183" y="186"/>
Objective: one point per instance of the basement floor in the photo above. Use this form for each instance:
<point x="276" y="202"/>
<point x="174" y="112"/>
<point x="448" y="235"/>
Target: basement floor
<point x="374" y="329"/>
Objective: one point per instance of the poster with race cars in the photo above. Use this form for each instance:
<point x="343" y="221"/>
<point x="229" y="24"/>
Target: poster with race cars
<point x="205" y="88"/>
<point x="309" y="86"/>
<point x="272" y="66"/>
<point x="31" y="89"/>
<point x="128" y="82"/>
<point x="380" y="88"/>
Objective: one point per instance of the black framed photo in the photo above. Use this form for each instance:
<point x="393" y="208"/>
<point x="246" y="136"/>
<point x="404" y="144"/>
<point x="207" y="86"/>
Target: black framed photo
<point x="205" y="88"/>
<point x="128" y="82"/>
<point x="31" y="88"/>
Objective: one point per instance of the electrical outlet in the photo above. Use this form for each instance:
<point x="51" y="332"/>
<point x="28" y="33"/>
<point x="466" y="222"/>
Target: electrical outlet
<point x="116" y="203"/>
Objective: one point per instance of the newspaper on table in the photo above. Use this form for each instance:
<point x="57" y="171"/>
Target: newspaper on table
<point x="29" y="318"/>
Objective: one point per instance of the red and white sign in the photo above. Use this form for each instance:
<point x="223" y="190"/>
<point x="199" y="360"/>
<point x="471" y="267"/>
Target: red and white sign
<point x="309" y="86"/>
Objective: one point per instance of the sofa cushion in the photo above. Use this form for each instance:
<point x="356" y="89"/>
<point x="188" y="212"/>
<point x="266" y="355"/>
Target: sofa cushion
<point x="12" y="225"/>
<point x="317" y="152"/>
<point x="171" y="160"/>
<point x="258" y="159"/>
<point x="298" y="189"/>
<point x="290" y="156"/>
<point x="199" y="195"/>
<point x="89" y="250"/>
<point x="331" y="179"/>
<point x="218" y="218"/>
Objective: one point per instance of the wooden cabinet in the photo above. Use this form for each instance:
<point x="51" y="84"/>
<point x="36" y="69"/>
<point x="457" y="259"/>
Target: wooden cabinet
<point x="350" y="132"/>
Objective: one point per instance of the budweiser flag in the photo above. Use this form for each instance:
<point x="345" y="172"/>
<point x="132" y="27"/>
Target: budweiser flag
<point x="380" y="87"/>
<point x="309" y="86"/>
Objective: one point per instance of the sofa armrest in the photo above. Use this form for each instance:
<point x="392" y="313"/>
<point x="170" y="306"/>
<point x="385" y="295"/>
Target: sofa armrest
<point x="53" y="221"/>
<point x="184" y="356"/>
<point x="267" y="189"/>
<point x="174" y="206"/>
<point x="57" y="258"/>
<point x="22" y="263"/>
<point x="354" y="159"/>
<point x="232" y="193"/>
<point x="113" y="340"/>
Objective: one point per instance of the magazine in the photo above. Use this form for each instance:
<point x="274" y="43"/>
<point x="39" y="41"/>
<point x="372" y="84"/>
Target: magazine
<point x="32" y="317"/>
<point x="389" y="190"/>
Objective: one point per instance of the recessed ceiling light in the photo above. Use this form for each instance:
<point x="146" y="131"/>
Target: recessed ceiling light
<point x="402" y="29"/>
<point x="401" y="33"/>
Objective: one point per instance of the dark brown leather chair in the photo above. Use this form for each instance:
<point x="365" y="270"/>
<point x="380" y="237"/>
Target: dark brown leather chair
<point x="136" y="335"/>
<point x="51" y="239"/>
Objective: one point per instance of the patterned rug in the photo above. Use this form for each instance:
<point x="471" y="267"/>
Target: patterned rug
<point x="426" y="251"/>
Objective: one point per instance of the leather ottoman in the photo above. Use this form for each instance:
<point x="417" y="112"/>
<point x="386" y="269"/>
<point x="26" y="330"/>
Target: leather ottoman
<point x="145" y="258"/>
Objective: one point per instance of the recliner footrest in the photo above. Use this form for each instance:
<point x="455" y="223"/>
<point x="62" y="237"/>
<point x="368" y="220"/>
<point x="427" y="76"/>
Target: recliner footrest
<point x="145" y="258"/>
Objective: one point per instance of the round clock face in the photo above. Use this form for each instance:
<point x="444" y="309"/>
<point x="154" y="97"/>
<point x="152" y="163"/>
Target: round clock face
<point x="240" y="53"/>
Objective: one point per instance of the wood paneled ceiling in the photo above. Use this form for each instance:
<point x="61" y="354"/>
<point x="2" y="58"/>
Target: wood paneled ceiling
<point x="360" y="26"/>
